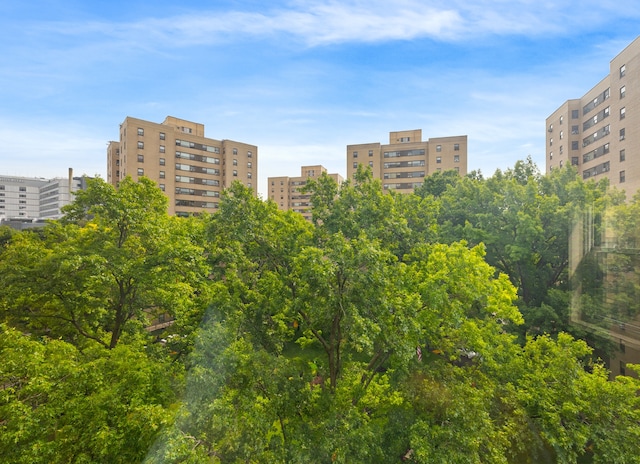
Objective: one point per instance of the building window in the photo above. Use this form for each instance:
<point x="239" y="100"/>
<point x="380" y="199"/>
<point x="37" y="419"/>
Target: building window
<point x="235" y="173"/>
<point x="438" y="148"/>
<point x="248" y="175"/>
<point x="575" y="114"/>
<point x="141" y="145"/>
<point x="161" y="174"/>
<point x="355" y="165"/>
<point x="622" y="177"/>
<point x="622" y="134"/>
<point x="623" y="70"/>
<point x="355" y="154"/>
<point x="23" y="189"/>
<point x="561" y="149"/>
<point x="456" y="158"/>
<point x="623" y="155"/>
<point x="162" y="187"/>
<point x="622" y="112"/>
<point x="140" y="172"/>
<point x="561" y="135"/>
<point x="162" y="161"/>
<point x="551" y="142"/>
<point x="371" y="163"/>
<point x="161" y="135"/>
<point x="438" y="159"/>
<point x="235" y="162"/>
<point x="140" y="131"/>
<point x="140" y="158"/>
<point x="235" y="151"/>
<point x="550" y="155"/>
<point x="370" y="152"/>
<point x="561" y="119"/>
<point x="574" y="130"/>
<point x="623" y="91"/>
<point x="574" y="161"/>
<point x="249" y="154"/>
<point x="457" y="169"/>
<point x="456" y="147"/>
<point x="574" y="145"/>
<point x="162" y="149"/>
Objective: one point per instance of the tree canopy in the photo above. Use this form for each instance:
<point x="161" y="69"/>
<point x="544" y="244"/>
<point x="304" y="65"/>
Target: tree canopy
<point x="426" y="328"/>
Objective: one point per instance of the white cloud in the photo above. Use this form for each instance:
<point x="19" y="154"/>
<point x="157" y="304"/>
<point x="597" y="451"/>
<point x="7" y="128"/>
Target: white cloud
<point x="316" y="23"/>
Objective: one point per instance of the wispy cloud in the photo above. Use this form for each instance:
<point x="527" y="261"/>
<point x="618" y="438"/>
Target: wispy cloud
<point x="321" y="23"/>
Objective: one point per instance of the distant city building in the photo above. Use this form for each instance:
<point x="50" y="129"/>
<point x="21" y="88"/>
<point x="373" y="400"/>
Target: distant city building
<point x="599" y="133"/>
<point x="191" y="169"/>
<point x="285" y="191"/>
<point x="25" y="200"/>
<point x="406" y="160"/>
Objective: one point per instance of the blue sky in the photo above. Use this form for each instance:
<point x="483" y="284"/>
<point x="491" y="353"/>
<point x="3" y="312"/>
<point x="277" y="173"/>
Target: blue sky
<point x="299" y="79"/>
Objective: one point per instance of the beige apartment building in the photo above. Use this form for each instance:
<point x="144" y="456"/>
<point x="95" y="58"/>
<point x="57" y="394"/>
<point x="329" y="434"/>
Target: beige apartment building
<point x="406" y="160"/>
<point x="285" y="191"/>
<point x="191" y="169"/>
<point x="599" y="133"/>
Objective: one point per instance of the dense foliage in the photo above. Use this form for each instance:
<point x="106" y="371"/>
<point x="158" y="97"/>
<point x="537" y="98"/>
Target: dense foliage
<point x="427" y="328"/>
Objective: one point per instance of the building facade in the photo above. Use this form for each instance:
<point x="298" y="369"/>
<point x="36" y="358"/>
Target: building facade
<point x="191" y="169"/>
<point x="406" y="160"/>
<point x="25" y="199"/>
<point x="599" y="133"/>
<point x="285" y="191"/>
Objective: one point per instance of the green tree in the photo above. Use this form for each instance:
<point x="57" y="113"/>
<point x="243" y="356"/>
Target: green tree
<point x="115" y="262"/>
<point x="60" y="405"/>
<point x="524" y="220"/>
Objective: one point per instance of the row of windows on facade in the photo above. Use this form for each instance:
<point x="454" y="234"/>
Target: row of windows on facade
<point x="186" y="167"/>
<point x="575" y="114"/>
<point x="456" y="159"/>
<point x="20" y="189"/>
<point x="456" y="147"/>
<point x="602" y="168"/>
<point x="592" y="138"/>
<point x="186" y="130"/>
<point x="591" y="122"/>
<point x="594" y="154"/>
<point x="187" y="144"/>
<point x="163" y="187"/>
<point x="189" y="156"/>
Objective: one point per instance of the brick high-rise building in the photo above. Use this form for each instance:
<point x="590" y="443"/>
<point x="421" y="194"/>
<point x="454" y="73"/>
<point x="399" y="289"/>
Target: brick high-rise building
<point x="191" y="169"/>
<point x="285" y="191"/>
<point x="599" y="133"/>
<point x="406" y="160"/>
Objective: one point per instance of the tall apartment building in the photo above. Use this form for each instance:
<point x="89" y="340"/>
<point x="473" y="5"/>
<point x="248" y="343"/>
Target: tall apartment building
<point x="191" y="169"/>
<point x="29" y="198"/>
<point x="406" y="160"/>
<point x="599" y="133"/>
<point x="285" y="191"/>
